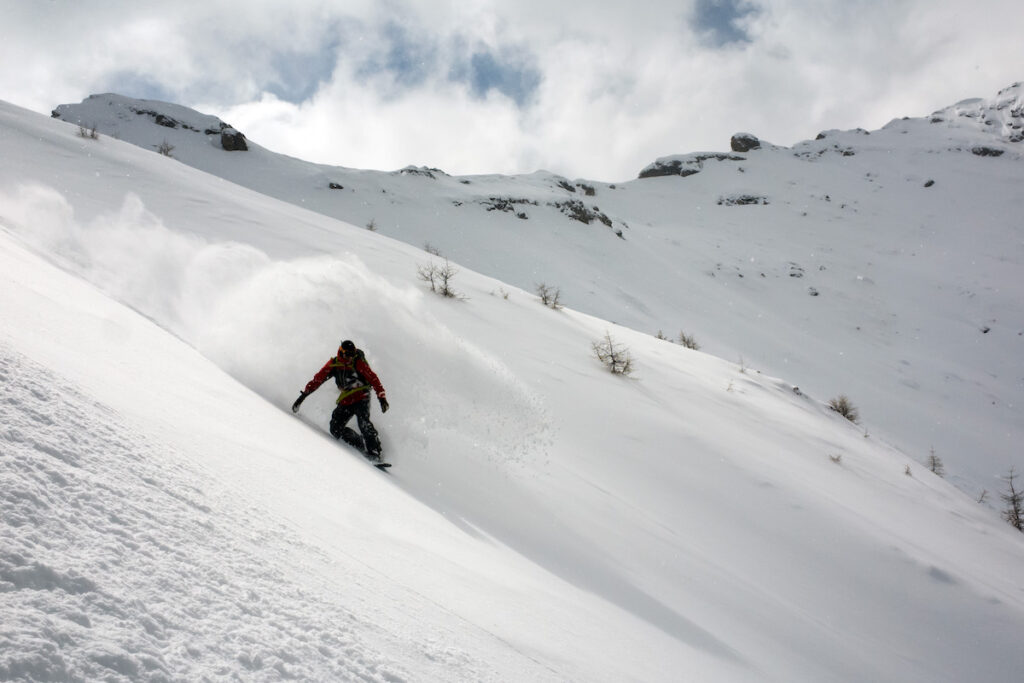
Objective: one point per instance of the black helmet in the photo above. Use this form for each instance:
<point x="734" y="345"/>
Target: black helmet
<point x="348" y="347"/>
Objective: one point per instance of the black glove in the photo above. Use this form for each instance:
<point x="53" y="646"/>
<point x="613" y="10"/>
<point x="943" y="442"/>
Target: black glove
<point x="298" y="401"/>
<point x="383" y="405"/>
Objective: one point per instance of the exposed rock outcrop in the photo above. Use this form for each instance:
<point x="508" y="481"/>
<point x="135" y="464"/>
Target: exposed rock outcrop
<point x="685" y="165"/>
<point x="744" y="142"/>
<point x="233" y="141"/>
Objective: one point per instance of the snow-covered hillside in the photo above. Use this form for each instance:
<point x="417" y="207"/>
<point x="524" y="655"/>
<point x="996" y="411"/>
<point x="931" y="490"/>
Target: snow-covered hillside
<point x="164" y="516"/>
<point x="886" y="265"/>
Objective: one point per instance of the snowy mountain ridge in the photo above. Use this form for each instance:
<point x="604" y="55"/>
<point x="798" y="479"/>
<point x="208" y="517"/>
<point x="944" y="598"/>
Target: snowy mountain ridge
<point x="1002" y="116"/>
<point x="164" y="516"/>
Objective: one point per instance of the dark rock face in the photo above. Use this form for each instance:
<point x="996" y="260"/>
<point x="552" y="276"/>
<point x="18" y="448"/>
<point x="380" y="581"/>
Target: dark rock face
<point x="742" y="200"/>
<point x="507" y="204"/>
<point x="685" y="165"/>
<point x="744" y="142"/>
<point x="674" y="167"/>
<point x="233" y="141"/>
<point x="577" y="210"/>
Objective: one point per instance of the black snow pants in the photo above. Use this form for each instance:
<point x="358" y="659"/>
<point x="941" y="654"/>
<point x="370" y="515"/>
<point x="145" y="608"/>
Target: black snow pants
<point x="369" y="441"/>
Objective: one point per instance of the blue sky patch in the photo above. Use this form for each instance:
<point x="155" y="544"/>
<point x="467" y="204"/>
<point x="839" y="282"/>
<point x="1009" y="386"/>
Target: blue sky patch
<point x="409" y="60"/>
<point x="511" y="75"/>
<point x="299" y="75"/>
<point x="718" y="21"/>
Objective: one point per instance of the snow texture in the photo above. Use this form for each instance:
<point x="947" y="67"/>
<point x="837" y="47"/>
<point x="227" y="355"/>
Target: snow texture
<point x="164" y="516"/>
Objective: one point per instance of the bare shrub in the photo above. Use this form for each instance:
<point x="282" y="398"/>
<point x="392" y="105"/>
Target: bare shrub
<point x="440" y="278"/>
<point x="165" y="148"/>
<point x="431" y="249"/>
<point x="1014" y="499"/>
<point x="935" y="464"/>
<point x="614" y="356"/>
<point x="88" y="132"/>
<point x="845" y="407"/>
<point x="372" y="225"/>
<point x="688" y="341"/>
<point x="550" y="296"/>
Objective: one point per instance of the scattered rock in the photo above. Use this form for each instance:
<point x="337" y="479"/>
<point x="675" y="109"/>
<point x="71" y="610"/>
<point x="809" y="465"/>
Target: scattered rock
<point x="233" y="141"/>
<point x="577" y="210"/>
<point x="744" y="142"/>
<point x="507" y="205"/>
<point x="742" y="199"/>
<point x="983" y="151"/>
<point x="685" y="165"/>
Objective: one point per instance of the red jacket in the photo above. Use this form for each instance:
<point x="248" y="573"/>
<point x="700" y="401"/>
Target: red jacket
<point x="353" y="376"/>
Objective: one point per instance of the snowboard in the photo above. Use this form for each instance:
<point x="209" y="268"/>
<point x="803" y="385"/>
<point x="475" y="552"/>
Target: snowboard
<point x="361" y="449"/>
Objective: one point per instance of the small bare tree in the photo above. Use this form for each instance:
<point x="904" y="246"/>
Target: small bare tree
<point x="550" y="296"/>
<point x="1014" y="499"/>
<point x="845" y="407"/>
<point x="431" y="249"/>
<point x="440" y="278"/>
<point x="615" y="357"/>
<point x="372" y="225"/>
<point x="688" y="341"/>
<point x="165" y="148"/>
<point x="935" y="464"/>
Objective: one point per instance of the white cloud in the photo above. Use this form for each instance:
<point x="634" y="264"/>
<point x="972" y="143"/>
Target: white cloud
<point x="594" y="89"/>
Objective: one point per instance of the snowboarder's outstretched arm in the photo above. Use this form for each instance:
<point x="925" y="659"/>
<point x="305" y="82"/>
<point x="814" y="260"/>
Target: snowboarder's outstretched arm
<point x="312" y="385"/>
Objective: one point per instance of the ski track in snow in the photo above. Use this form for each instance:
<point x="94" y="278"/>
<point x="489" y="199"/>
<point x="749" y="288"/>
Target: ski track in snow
<point x="137" y="570"/>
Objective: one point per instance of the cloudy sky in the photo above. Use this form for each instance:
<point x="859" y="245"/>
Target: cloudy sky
<point x="591" y="90"/>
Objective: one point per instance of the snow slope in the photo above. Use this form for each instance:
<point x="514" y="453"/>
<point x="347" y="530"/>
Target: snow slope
<point x="165" y="517"/>
<point x="887" y="266"/>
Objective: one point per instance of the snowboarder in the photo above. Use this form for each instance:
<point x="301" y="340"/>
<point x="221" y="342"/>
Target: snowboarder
<point x="354" y="378"/>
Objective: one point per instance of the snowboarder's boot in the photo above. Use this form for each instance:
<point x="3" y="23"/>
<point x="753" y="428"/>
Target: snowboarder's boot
<point x="350" y="437"/>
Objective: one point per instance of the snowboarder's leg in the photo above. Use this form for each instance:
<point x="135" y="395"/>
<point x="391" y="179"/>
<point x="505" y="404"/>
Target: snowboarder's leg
<point x="370" y="437"/>
<point x="339" y="418"/>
